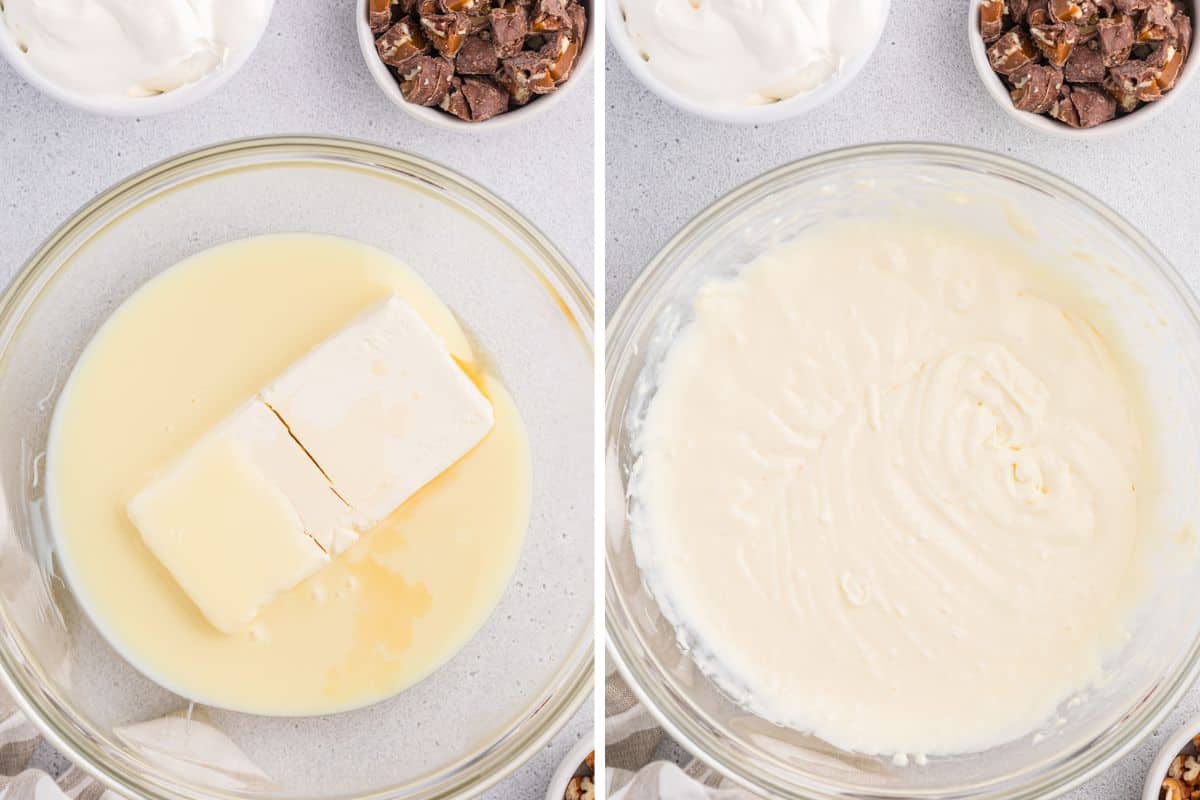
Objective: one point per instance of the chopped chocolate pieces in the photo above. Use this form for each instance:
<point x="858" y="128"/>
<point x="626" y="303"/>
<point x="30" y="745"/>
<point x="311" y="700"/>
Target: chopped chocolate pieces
<point x="1064" y="109"/>
<point x="1117" y="38"/>
<point x="1036" y="87"/>
<point x="1084" y="66"/>
<point x="1093" y="105"/>
<point x="528" y="72"/>
<point x="1065" y="10"/>
<point x="379" y="15"/>
<point x="561" y="51"/>
<point x="1084" y="62"/>
<point x="1038" y="12"/>
<point x="426" y="79"/>
<point x="1157" y="24"/>
<point x="484" y="98"/>
<point x="446" y="32"/>
<point x="1012" y="51"/>
<point x="477" y="57"/>
<point x="578" y="21"/>
<point x="401" y="43"/>
<point x="1055" y="41"/>
<point x="474" y="59"/>
<point x="991" y="19"/>
<point x="549" y="16"/>
<point x="509" y="28"/>
<point x="455" y="102"/>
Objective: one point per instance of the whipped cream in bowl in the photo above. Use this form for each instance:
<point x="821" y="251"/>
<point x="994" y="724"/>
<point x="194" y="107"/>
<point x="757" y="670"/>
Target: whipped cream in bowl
<point x="746" y="60"/>
<point x="124" y="57"/>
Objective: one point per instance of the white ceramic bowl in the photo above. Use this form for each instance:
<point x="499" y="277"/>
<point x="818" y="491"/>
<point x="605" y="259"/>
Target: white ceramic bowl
<point x="117" y="106"/>
<point x="435" y="116"/>
<point x="569" y="768"/>
<point x="799" y="105"/>
<point x="1171" y="748"/>
<point x="999" y="92"/>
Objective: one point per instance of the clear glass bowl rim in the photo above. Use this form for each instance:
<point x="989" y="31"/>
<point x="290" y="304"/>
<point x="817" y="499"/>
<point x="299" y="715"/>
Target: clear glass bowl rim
<point x="573" y="682"/>
<point x="643" y="298"/>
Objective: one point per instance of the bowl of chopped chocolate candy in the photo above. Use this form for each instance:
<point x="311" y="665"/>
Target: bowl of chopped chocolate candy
<point x="1083" y="68"/>
<point x="1175" y="773"/>
<point x="471" y="64"/>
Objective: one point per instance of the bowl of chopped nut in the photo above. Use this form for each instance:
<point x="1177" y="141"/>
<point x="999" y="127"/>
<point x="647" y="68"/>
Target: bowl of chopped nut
<point x="1175" y="774"/>
<point x="467" y="64"/>
<point x="576" y="776"/>
<point x="1083" y="68"/>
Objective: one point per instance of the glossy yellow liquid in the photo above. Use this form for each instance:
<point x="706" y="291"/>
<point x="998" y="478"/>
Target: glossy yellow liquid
<point x="175" y="359"/>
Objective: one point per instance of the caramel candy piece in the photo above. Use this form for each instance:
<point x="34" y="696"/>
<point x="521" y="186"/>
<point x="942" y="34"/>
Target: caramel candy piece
<point x="455" y="102"/>
<point x="379" y="15"/>
<point x="1038" y="13"/>
<point x="1167" y="61"/>
<point x="1036" y="87"/>
<point x="1011" y="51"/>
<point x="1136" y="78"/>
<point x="1093" y="106"/>
<point x="476" y="12"/>
<point x="1065" y="10"/>
<point x="1126" y="101"/>
<point x="991" y="19"/>
<point x="484" y="98"/>
<point x="1116" y="39"/>
<point x="561" y="50"/>
<point x="401" y="43"/>
<point x="509" y="28"/>
<point x="518" y="92"/>
<point x="528" y="71"/>
<point x="446" y="32"/>
<point x="1064" y="110"/>
<point x="1085" y="66"/>
<point x="467" y="7"/>
<point x="1055" y="41"/>
<point x="477" y="57"/>
<point x="1157" y="23"/>
<point x="549" y="16"/>
<point x="426" y="80"/>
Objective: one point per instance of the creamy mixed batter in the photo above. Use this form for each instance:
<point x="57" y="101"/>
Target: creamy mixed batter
<point x="891" y="485"/>
<point x="173" y="362"/>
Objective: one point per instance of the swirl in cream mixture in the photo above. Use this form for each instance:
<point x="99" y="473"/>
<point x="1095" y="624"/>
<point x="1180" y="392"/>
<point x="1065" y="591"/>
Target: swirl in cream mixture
<point x="889" y="485"/>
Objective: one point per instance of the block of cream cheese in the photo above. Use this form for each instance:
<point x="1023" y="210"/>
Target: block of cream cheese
<point x="225" y="530"/>
<point x="382" y="408"/>
<point x="326" y="451"/>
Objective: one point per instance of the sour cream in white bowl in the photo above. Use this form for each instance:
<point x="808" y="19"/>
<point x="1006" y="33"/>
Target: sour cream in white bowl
<point x="130" y="57"/>
<point x="746" y="61"/>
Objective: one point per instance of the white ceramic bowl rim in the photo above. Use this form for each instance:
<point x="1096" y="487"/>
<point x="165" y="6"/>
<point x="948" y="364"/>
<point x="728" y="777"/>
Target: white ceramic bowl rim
<point x="619" y="642"/>
<point x="795" y="106"/>
<point x="999" y="92"/>
<point x="435" y="116"/>
<point x="556" y="703"/>
<point x="131" y="106"/>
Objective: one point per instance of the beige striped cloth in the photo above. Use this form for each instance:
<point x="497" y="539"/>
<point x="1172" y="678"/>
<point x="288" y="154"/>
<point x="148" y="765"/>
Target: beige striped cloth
<point x="632" y="741"/>
<point x="18" y="742"/>
<point x="185" y="745"/>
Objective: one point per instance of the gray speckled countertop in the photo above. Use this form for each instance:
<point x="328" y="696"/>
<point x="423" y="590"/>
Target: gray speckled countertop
<point x="664" y="166"/>
<point x="306" y="77"/>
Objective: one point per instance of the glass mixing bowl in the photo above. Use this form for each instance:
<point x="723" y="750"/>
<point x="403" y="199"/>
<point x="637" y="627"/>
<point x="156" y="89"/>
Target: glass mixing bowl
<point x="519" y="679"/>
<point x="1040" y="214"/>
